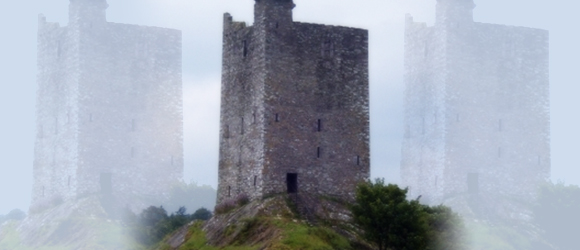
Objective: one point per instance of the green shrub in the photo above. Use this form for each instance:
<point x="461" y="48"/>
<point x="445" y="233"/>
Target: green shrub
<point x="153" y="224"/>
<point x="231" y="204"/>
<point x="201" y="214"/>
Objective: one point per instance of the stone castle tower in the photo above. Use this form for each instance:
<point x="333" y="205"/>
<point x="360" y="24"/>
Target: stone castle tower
<point x="109" y="109"/>
<point x="295" y="110"/>
<point x="477" y="122"/>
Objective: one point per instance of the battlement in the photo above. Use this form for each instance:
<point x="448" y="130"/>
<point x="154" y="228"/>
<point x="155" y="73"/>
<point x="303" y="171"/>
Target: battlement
<point x="273" y="11"/>
<point x="294" y="95"/>
<point x="454" y="11"/>
<point x="87" y="11"/>
<point x="476" y="113"/>
<point x="109" y="113"/>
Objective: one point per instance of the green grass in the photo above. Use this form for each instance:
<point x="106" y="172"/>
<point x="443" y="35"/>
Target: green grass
<point x="302" y="236"/>
<point x="294" y="235"/>
<point x="198" y="241"/>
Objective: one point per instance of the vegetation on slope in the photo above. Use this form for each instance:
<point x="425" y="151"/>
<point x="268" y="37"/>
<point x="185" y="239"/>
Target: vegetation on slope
<point x="268" y="233"/>
<point x="279" y="222"/>
<point x="391" y="221"/>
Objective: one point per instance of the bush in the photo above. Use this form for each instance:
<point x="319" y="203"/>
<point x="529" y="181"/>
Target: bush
<point x="447" y="231"/>
<point x="15" y="214"/>
<point x="388" y="218"/>
<point x="201" y="214"/>
<point x="231" y="204"/>
<point x="393" y="222"/>
<point x="46" y="203"/>
<point x="153" y="224"/>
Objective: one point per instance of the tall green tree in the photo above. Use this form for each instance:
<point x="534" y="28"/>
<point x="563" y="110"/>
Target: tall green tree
<point x="446" y="229"/>
<point x="389" y="219"/>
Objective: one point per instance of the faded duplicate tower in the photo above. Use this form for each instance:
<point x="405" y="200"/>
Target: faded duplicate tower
<point x="477" y="122"/>
<point x="109" y="109"/>
<point x="295" y="111"/>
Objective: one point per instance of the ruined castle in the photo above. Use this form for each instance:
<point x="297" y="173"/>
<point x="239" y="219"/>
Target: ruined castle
<point x="109" y="109"/>
<point x="294" y="107"/>
<point x="477" y="121"/>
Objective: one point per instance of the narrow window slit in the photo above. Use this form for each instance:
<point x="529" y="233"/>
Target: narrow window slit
<point x="327" y="48"/>
<point x="277" y="117"/>
<point x="241" y="152"/>
<point x="358" y="160"/>
<point x="245" y="44"/>
<point x="318" y="152"/>
<point x="319" y="125"/>
<point x="255" y="180"/>
<point x="242" y="126"/>
<point x="229" y="191"/>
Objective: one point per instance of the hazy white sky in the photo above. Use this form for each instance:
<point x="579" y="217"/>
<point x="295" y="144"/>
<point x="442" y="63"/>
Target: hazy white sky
<point x="201" y="23"/>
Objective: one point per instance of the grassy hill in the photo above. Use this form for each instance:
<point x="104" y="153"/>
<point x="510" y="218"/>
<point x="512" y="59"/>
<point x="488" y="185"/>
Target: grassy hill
<point x="274" y="223"/>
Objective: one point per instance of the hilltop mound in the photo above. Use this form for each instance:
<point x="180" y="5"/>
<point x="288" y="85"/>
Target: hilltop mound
<point x="279" y="222"/>
<point x="78" y="224"/>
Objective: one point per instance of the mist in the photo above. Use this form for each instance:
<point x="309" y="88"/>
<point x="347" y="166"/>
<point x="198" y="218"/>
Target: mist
<point x="201" y="25"/>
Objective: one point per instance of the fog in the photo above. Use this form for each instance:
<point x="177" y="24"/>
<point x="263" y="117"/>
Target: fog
<point x="201" y="24"/>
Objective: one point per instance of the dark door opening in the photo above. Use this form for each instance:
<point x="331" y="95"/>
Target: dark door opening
<point x="292" y="183"/>
<point x="106" y="183"/>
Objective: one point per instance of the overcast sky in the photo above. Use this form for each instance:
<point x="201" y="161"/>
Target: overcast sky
<point x="201" y="23"/>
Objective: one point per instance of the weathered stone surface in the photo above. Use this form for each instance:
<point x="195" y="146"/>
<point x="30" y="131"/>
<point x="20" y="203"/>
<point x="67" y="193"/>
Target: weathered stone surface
<point x="477" y="111"/>
<point x="109" y="107"/>
<point x="294" y="101"/>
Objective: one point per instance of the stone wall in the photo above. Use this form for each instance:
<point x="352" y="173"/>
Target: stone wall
<point x="477" y="113"/>
<point x="294" y="101"/>
<point x="109" y="106"/>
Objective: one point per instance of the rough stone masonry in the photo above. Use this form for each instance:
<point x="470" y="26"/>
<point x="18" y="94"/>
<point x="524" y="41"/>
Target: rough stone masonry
<point x="477" y="121"/>
<point x="295" y="108"/>
<point x="109" y="109"/>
